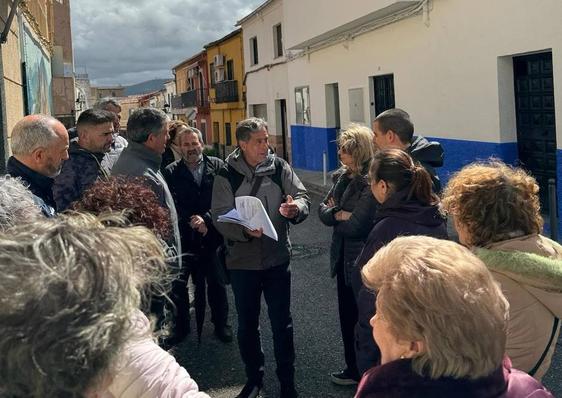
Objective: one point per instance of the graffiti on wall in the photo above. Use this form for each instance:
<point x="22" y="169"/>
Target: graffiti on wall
<point x="38" y="75"/>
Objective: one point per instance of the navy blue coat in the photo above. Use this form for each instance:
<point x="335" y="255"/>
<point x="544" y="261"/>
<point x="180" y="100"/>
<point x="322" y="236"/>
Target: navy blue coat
<point x="396" y="217"/>
<point x="40" y="186"/>
<point x="193" y="199"/>
<point x="80" y="171"/>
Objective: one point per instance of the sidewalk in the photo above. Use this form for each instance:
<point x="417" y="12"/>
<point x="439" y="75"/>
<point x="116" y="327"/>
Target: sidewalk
<point x="313" y="181"/>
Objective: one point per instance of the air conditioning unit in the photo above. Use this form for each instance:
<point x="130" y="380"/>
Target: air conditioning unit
<point x="218" y="60"/>
<point x="219" y="75"/>
<point x="191" y="73"/>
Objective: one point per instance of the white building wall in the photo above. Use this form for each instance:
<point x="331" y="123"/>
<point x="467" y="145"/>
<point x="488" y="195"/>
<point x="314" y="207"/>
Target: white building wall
<point x="267" y="81"/>
<point x="450" y="76"/>
<point x="273" y="85"/>
<point x="309" y="18"/>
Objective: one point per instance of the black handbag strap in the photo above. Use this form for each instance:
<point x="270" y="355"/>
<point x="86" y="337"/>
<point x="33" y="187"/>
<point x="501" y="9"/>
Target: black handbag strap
<point x="543" y="356"/>
<point x="256" y="186"/>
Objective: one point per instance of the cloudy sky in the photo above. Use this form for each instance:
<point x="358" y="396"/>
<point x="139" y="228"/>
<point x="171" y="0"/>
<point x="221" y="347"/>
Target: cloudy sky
<point x="130" y="41"/>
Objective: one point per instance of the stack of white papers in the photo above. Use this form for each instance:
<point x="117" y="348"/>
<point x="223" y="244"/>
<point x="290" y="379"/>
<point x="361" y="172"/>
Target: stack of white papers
<point x="250" y="213"/>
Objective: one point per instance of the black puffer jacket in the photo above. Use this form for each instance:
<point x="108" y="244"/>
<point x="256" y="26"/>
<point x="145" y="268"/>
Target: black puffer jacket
<point x="352" y="194"/>
<point x="398" y="216"/>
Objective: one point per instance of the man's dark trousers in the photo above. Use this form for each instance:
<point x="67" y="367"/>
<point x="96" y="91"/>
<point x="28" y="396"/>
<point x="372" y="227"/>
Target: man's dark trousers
<point x="203" y="271"/>
<point x="275" y="284"/>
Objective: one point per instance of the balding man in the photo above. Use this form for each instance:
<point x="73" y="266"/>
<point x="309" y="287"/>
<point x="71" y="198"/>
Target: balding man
<point x="39" y="146"/>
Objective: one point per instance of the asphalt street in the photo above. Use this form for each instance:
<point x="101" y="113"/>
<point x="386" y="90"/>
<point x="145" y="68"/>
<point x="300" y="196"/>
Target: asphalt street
<point x="218" y="369"/>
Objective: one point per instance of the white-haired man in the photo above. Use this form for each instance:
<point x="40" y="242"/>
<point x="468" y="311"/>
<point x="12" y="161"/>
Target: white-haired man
<point x="39" y="146"/>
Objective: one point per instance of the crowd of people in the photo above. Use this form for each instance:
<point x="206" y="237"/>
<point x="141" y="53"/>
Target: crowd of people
<point x="101" y="231"/>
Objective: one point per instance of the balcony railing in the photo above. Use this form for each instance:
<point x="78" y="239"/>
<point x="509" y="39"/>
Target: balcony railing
<point x="192" y="98"/>
<point x="176" y="102"/>
<point x="226" y="91"/>
<point x="189" y="98"/>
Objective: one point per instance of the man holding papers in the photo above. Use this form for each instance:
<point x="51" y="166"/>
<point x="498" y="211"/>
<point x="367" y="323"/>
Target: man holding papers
<point x="258" y="263"/>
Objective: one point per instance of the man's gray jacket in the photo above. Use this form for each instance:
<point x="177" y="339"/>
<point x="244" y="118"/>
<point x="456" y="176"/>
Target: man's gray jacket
<point x="136" y="160"/>
<point x="244" y="252"/>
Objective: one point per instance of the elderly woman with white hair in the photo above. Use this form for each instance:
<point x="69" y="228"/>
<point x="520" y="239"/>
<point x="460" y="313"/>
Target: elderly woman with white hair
<point x="17" y="203"/>
<point x="440" y="323"/>
<point x="69" y="320"/>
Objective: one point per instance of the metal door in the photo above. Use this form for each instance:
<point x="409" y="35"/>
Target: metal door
<point x="384" y="93"/>
<point x="536" y="132"/>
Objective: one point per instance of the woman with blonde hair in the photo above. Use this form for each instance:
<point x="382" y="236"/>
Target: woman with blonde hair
<point x="440" y="323"/>
<point x="408" y="206"/>
<point x="496" y="212"/>
<point x="349" y="207"/>
<point x="70" y="324"/>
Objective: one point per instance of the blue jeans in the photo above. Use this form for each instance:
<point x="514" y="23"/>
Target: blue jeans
<point x="275" y="284"/>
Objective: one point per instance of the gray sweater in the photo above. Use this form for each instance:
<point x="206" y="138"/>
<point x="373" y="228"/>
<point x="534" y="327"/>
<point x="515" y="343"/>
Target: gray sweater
<point x="136" y="160"/>
<point x="246" y="253"/>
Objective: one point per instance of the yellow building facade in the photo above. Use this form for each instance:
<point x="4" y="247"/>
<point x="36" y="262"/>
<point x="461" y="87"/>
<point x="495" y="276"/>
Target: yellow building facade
<point x="179" y="112"/>
<point x="225" y="59"/>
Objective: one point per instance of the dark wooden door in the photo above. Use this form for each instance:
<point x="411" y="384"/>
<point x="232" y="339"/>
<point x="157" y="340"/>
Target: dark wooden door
<point x="536" y="132"/>
<point x="384" y="93"/>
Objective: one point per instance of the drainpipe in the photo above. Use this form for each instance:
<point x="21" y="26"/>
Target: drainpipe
<point x="4" y="35"/>
<point x="4" y="150"/>
<point x="425" y="9"/>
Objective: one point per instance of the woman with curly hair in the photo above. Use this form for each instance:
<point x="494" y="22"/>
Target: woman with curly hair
<point x="130" y="196"/>
<point x="349" y="207"/>
<point x="139" y="205"/>
<point x="496" y="212"/>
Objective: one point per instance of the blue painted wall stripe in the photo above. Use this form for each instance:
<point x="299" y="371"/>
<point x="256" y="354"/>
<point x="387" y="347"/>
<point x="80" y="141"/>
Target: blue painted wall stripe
<point x="459" y="153"/>
<point x="308" y="143"/>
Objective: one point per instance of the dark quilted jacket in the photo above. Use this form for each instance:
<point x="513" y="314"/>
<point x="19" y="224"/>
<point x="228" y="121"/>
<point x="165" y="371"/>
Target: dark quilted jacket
<point x="80" y="171"/>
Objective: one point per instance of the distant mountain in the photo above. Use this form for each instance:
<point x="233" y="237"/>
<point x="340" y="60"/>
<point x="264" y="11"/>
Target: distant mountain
<point x="146" y="87"/>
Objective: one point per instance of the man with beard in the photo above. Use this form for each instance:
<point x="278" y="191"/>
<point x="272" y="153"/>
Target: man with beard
<point x="119" y="142"/>
<point x="39" y="146"/>
<point x="83" y="168"/>
<point x="191" y="181"/>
